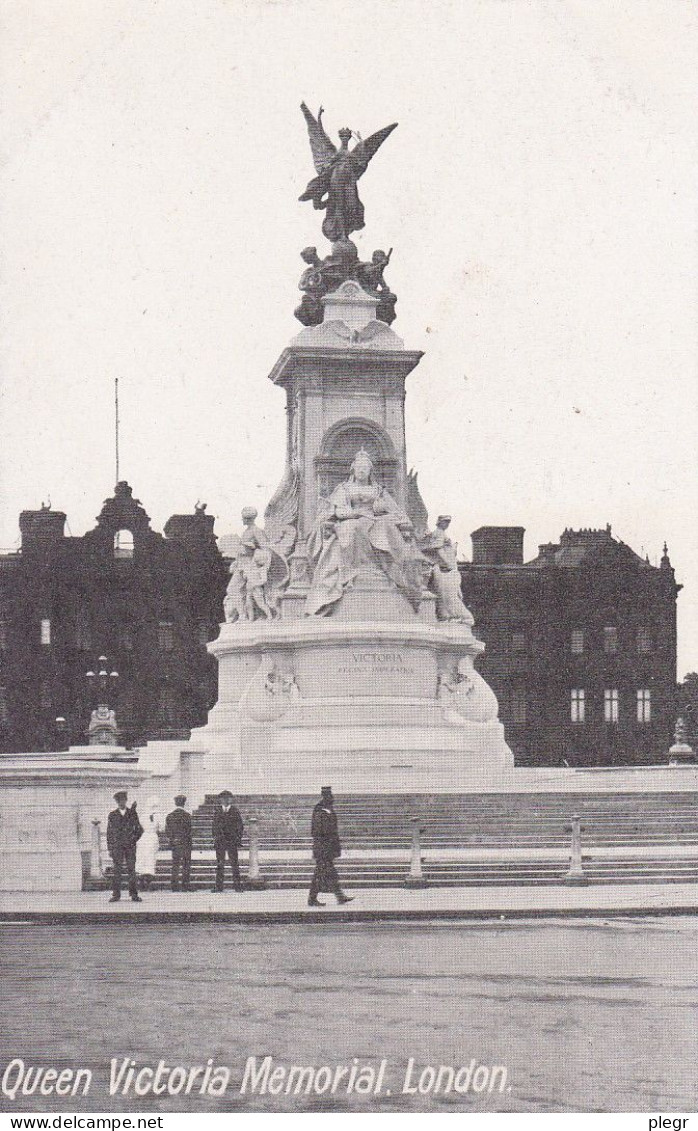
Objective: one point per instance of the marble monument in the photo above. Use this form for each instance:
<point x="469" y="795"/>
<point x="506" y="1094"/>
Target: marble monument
<point x="347" y="653"/>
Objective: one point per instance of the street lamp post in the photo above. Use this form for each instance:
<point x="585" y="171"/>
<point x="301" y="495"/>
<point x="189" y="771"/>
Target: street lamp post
<point x="61" y="734"/>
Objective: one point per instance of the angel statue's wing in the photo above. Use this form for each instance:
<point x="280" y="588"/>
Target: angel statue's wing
<point x="367" y="149"/>
<point x="321" y="147"/>
<point x="282" y="509"/>
<point x="415" y="507"/>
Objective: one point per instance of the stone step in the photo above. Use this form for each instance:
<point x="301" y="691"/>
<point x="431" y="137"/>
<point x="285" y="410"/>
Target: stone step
<point x="371" y="872"/>
<point x="446" y="846"/>
<point x="452" y="821"/>
<point x="367" y="873"/>
<point x="453" y="835"/>
<point x="452" y="807"/>
<point x="689" y="821"/>
<point x="457" y="874"/>
<point x="445" y="881"/>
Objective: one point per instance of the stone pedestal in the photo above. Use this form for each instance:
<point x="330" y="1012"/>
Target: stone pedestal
<point x="349" y="701"/>
<point x="47" y="804"/>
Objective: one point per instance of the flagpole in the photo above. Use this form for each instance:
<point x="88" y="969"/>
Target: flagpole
<point x="116" y="424"/>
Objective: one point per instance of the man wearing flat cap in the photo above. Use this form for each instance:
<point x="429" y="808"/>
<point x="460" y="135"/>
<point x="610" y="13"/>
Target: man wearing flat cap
<point x="178" y="832"/>
<point x="227" y="838"/>
<point x="326" y="849"/>
<point x="124" y="830"/>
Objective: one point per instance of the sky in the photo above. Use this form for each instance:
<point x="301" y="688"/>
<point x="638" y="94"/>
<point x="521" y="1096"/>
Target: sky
<point x="539" y="194"/>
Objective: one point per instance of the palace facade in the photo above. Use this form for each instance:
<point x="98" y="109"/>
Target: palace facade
<point x="581" y="646"/>
<point x="149" y="602"/>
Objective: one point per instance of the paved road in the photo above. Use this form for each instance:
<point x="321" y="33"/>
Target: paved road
<point x="587" y="1015"/>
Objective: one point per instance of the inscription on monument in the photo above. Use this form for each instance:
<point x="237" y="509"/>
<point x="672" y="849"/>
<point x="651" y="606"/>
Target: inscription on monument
<point x="376" y="663"/>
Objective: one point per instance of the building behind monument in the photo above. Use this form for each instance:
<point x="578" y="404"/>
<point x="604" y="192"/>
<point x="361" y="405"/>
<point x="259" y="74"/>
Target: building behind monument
<point x="149" y="602"/>
<point x="581" y="645"/>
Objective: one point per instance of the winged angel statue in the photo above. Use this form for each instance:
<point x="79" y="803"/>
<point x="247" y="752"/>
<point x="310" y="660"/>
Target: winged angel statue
<point x="338" y="171"/>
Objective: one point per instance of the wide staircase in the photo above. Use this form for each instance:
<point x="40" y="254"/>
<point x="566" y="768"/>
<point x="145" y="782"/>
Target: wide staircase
<point x="466" y="839"/>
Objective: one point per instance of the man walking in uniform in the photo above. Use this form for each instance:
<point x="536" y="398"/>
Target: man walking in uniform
<point x="326" y="849"/>
<point x="178" y="832"/>
<point x="124" y="830"/>
<point x="227" y="838"/>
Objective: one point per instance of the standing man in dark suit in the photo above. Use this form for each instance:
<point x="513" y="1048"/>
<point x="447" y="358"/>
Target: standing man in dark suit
<point x="326" y="849"/>
<point x="124" y="830"/>
<point x="178" y="832"/>
<point x="227" y="838"/>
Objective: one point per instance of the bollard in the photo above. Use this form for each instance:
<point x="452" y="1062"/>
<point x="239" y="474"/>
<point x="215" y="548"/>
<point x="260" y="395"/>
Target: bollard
<point x="96" y="871"/>
<point x="575" y="873"/>
<point x="416" y="876"/>
<point x="254" y="879"/>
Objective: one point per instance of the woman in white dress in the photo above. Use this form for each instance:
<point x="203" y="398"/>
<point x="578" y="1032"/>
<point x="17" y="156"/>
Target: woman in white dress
<point x="148" y="845"/>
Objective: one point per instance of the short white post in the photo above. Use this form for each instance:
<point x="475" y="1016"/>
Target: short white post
<point x="575" y="873"/>
<point x="96" y="871"/>
<point x="416" y="876"/>
<point x="254" y="878"/>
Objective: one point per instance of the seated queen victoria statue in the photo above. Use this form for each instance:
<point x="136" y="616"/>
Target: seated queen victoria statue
<point x="360" y="529"/>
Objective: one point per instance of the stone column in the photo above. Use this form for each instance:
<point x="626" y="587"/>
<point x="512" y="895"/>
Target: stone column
<point x="96" y="870"/>
<point x="416" y="876"/>
<point x="575" y="873"/>
<point x="254" y="878"/>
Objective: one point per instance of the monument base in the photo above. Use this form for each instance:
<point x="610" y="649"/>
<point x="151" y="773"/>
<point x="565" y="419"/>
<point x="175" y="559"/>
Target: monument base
<point x="366" y="706"/>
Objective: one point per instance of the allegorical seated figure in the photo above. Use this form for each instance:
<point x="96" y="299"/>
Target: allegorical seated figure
<point x="322" y="276"/>
<point x="310" y="310"/>
<point x="360" y="528"/>
<point x="370" y="276"/>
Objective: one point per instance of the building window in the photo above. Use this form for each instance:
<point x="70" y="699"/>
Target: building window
<point x="127" y="638"/>
<point x="644" y="639"/>
<point x="203" y="633"/>
<point x="45" y="631"/>
<point x="518" y="706"/>
<point x="45" y="695"/>
<point x="518" y="642"/>
<point x="610" y="705"/>
<point x="610" y="639"/>
<point x="577" y="704"/>
<point x="577" y="642"/>
<point x="644" y="706"/>
<point x="165" y="636"/>
<point x="168" y="706"/>
<point x="123" y="545"/>
<point x="3" y="635"/>
<point x="83" y="635"/>
<point x="4" y="708"/>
